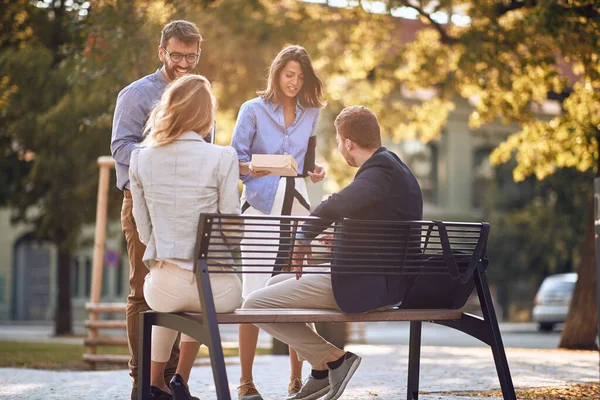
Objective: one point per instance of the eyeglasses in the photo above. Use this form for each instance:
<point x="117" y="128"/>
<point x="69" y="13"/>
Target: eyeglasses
<point x="177" y="57"/>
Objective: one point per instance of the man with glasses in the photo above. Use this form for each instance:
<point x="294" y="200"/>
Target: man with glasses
<point x="176" y="63"/>
<point x="179" y="52"/>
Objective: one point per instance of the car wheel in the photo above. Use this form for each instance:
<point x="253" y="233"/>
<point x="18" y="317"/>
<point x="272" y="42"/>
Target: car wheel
<point x="545" y="326"/>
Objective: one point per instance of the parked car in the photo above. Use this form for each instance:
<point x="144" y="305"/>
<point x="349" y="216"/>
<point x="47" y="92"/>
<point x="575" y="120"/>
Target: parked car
<point x="551" y="304"/>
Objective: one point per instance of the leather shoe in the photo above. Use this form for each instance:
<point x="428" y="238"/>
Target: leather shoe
<point x="158" y="394"/>
<point x="135" y="390"/>
<point x="247" y="391"/>
<point x="180" y="389"/>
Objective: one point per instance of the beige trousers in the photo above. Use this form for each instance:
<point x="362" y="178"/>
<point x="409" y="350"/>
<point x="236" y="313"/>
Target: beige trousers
<point x="284" y="291"/>
<point x="169" y="288"/>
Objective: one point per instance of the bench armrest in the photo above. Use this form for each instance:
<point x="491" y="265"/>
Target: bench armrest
<point x="478" y="253"/>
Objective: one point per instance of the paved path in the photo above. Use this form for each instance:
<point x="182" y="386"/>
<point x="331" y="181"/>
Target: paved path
<point x="381" y="376"/>
<point x="521" y="335"/>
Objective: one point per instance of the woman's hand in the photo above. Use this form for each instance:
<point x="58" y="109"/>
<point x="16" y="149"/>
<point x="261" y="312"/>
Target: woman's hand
<point x="318" y="175"/>
<point x="246" y="169"/>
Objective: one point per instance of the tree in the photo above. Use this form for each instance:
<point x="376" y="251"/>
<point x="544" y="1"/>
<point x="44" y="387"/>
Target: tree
<point x="32" y="50"/>
<point x="509" y="58"/>
<point x="62" y="66"/>
<point x="537" y="229"/>
<point x="20" y="24"/>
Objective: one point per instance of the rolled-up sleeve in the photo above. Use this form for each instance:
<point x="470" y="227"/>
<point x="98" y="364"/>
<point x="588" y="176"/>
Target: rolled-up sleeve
<point x="229" y="198"/>
<point x="243" y="134"/>
<point x="128" y="124"/>
<point x="313" y="129"/>
<point x="141" y="215"/>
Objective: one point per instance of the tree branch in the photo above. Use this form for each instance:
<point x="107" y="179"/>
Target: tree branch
<point x="504" y="8"/>
<point x="446" y="38"/>
<point x="588" y="11"/>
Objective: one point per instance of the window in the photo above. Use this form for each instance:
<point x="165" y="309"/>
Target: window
<point x="119" y="278"/>
<point x="483" y="173"/>
<point x="422" y="159"/>
<point x="88" y="276"/>
<point x="75" y="277"/>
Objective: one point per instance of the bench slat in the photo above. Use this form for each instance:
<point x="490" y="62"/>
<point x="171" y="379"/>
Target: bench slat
<point x="296" y="315"/>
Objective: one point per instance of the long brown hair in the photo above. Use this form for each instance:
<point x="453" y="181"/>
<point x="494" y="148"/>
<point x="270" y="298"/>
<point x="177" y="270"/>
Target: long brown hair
<point x="311" y="94"/>
<point x="186" y="105"/>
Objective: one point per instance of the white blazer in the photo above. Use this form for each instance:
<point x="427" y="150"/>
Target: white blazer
<point x="172" y="185"/>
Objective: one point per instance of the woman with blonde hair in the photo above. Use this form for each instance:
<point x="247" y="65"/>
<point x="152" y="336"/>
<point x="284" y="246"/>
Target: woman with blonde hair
<point x="175" y="176"/>
<point x="281" y="120"/>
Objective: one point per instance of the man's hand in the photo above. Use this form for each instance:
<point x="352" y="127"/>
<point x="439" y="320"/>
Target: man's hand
<point x="318" y="175"/>
<point x="326" y="239"/>
<point x="298" y="259"/>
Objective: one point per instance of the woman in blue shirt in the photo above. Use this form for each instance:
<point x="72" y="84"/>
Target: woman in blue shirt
<point x="281" y="120"/>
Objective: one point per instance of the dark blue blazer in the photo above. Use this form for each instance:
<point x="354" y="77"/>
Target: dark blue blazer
<point x="384" y="188"/>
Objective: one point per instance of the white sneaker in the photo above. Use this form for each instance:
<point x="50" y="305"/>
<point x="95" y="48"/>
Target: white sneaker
<point x="339" y="377"/>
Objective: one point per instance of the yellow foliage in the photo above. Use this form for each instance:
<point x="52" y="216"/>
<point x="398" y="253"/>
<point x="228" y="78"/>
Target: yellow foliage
<point x="424" y="121"/>
<point x="6" y="90"/>
<point x="541" y="147"/>
<point x="225" y="121"/>
<point x="157" y="11"/>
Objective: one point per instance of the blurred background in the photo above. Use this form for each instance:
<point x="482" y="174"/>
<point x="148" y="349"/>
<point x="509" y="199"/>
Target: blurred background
<point x="494" y="105"/>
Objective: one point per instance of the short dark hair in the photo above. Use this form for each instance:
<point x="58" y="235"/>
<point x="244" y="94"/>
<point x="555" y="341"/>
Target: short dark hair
<point x="311" y="94"/>
<point x="185" y="31"/>
<point x="360" y="125"/>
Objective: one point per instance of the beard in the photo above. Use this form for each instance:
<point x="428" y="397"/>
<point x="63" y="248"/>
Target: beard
<point x="170" y="70"/>
<point x="349" y="159"/>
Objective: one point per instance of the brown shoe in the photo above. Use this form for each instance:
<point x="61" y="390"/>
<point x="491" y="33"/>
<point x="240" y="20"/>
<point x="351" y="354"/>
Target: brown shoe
<point x="247" y="391"/>
<point x="294" y="386"/>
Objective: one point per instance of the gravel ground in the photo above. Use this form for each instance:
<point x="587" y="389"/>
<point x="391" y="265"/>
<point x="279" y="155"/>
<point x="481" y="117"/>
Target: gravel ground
<point x="382" y="375"/>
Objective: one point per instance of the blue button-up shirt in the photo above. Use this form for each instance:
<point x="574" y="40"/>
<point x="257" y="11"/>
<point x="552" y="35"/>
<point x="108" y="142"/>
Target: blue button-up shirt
<point x="260" y="129"/>
<point x="134" y="105"/>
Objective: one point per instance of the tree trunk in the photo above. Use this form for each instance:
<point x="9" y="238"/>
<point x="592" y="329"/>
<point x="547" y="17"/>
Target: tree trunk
<point x="57" y="30"/>
<point x="63" y="324"/>
<point x="582" y="321"/>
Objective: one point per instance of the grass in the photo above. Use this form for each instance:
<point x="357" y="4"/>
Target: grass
<point x="60" y="356"/>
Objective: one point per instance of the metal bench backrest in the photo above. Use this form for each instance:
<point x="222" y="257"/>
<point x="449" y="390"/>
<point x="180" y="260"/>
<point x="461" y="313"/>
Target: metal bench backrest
<point x="440" y="256"/>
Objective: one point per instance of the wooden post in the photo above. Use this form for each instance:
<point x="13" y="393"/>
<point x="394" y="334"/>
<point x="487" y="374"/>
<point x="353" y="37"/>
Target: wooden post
<point x="105" y="163"/>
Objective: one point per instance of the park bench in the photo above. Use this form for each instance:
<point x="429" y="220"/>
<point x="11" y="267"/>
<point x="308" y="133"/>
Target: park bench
<point x="445" y="261"/>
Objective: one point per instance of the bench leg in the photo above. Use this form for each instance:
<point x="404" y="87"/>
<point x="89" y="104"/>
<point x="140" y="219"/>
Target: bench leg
<point x="145" y="346"/>
<point x="211" y="328"/>
<point x="414" y="360"/>
<point x="217" y="362"/>
<point x="489" y="315"/>
<point x="506" y="384"/>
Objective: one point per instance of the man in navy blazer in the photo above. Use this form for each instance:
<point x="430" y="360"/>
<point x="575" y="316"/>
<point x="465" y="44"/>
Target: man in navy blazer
<point x="384" y="188"/>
